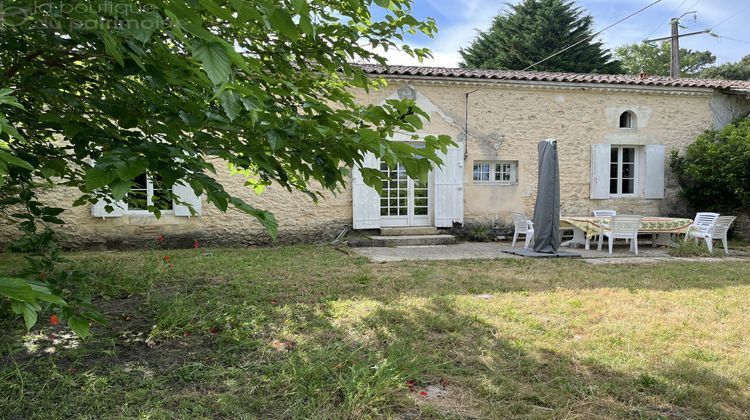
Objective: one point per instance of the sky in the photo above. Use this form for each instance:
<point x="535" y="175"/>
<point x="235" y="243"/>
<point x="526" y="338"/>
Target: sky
<point x="459" y="20"/>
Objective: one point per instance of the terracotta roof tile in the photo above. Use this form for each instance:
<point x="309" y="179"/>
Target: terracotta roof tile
<point x="544" y="76"/>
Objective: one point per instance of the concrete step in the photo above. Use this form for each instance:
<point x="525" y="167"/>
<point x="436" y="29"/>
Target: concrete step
<point x="408" y="231"/>
<point x="404" y="240"/>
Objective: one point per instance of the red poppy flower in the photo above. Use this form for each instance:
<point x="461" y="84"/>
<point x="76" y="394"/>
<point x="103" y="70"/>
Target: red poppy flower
<point x="196" y="245"/>
<point x="160" y="238"/>
<point x="423" y="393"/>
<point x="53" y="319"/>
<point x="166" y="258"/>
<point x="186" y="333"/>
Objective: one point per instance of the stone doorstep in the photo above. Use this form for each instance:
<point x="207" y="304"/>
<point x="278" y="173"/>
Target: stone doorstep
<point x="408" y="231"/>
<point x="405" y="240"/>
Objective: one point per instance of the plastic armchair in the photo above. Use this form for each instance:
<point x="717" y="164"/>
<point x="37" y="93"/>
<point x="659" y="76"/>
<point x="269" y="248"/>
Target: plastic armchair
<point x="702" y="225"/>
<point x="719" y="232"/>
<point x="605" y="213"/>
<point x="622" y="227"/>
<point x="522" y="226"/>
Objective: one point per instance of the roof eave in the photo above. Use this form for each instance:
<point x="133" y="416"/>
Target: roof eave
<point x="551" y="84"/>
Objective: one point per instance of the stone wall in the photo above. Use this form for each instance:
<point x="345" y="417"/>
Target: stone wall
<point x="505" y="123"/>
<point x="300" y="220"/>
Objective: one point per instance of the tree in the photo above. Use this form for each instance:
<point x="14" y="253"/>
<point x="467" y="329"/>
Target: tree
<point x="166" y="87"/>
<point x="533" y="30"/>
<point x="714" y="171"/>
<point x="730" y="71"/>
<point x="654" y="59"/>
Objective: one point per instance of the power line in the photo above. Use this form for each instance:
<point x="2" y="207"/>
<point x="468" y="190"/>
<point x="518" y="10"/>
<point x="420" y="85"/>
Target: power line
<point x="733" y="39"/>
<point x="672" y="13"/>
<point x="731" y="16"/>
<point x="592" y="36"/>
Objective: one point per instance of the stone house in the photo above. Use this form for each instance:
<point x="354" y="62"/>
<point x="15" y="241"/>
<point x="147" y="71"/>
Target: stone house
<point x="615" y="134"/>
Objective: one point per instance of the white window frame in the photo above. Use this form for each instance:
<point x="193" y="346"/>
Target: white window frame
<point x="636" y="171"/>
<point x="149" y="202"/>
<point x="493" y="172"/>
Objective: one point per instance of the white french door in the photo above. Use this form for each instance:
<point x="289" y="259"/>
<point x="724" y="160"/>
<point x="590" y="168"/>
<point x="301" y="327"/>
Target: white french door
<point x="404" y="201"/>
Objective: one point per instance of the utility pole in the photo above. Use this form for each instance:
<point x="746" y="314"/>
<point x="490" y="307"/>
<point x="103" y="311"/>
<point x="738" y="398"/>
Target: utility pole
<point x="674" y="64"/>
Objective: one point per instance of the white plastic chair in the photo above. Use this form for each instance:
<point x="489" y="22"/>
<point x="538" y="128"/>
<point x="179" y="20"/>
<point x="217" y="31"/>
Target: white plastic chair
<point x="718" y="231"/>
<point x="701" y="226"/>
<point x="523" y="226"/>
<point x="604" y="214"/>
<point x="622" y="227"/>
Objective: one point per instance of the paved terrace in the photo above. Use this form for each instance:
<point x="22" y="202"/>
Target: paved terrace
<point x="494" y="250"/>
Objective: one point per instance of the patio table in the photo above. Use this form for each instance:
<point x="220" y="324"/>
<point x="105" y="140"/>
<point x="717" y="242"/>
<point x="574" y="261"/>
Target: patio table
<point x="585" y="228"/>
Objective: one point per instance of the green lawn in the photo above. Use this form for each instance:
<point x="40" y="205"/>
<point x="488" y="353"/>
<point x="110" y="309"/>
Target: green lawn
<point x="310" y="331"/>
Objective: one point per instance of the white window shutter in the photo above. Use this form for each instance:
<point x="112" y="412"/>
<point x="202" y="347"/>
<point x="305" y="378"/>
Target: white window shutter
<point x="185" y="193"/>
<point x="99" y="208"/>
<point x="365" y="199"/>
<point x="449" y="188"/>
<point x="654" y="185"/>
<point x="600" y="166"/>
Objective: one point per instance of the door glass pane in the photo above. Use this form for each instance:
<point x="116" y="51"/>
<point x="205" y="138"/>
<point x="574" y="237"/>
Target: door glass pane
<point x="628" y="154"/>
<point x="628" y="170"/>
<point x="613" y="186"/>
<point x="628" y="186"/>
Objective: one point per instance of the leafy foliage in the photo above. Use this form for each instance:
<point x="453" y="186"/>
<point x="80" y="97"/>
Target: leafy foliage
<point x="655" y="59"/>
<point x="534" y="29"/>
<point x="170" y="88"/>
<point x="714" y="172"/>
<point x="730" y="71"/>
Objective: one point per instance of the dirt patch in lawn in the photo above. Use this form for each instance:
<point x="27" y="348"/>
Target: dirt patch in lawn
<point x="447" y="399"/>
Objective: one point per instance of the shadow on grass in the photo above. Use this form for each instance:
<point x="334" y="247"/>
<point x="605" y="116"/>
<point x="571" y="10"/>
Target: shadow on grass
<point x="324" y="335"/>
<point x="510" y="376"/>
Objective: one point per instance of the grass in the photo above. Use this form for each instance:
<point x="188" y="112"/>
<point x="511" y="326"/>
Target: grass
<point x="314" y="332"/>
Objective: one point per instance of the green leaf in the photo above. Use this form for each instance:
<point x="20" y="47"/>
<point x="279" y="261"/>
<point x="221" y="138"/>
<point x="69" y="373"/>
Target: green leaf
<point x="98" y="177"/>
<point x="215" y="60"/>
<point x="132" y="168"/>
<point x="230" y="101"/>
<point x="29" y="314"/>
<point x="17" y="289"/>
<point x="276" y="140"/>
<point x="216" y="10"/>
<point x="15" y="160"/>
<point x="282" y="21"/>
<point x="267" y="219"/>
<point x="113" y="48"/>
<point x="386" y="4"/>
<point x="53" y="219"/>
<point x="79" y="325"/>
<point x="43" y="293"/>
<point x="120" y="188"/>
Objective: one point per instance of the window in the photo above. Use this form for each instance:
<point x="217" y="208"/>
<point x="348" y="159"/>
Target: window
<point x="627" y="120"/>
<point x="622" y="170"/>
<point x="481" y="171"/>
<point x="148" y="191"/>
<point x="498" y="172"/>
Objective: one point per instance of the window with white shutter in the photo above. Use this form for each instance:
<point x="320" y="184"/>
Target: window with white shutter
<point x="622" y="171"/>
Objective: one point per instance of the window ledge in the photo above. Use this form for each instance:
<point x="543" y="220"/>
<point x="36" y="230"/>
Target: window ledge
<point x="146" y="213"/>
<point x="495" y="183"/>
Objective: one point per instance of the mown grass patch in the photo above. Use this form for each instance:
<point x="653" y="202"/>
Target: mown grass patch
<point x="313" y="332"/>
